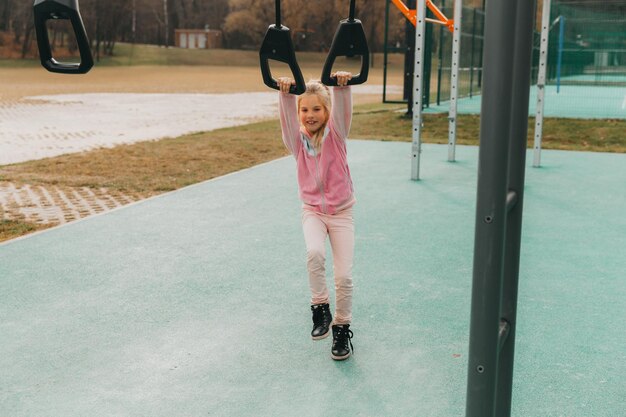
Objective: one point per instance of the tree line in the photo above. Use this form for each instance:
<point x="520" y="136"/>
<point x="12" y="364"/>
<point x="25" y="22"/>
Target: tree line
<point x="242" y="22"/>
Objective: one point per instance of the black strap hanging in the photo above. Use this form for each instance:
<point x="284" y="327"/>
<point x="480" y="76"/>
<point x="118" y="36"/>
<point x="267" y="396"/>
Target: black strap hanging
<point x="278" y="46"/>
<point x="349" y="41"/>
<point x="45" y="10"/>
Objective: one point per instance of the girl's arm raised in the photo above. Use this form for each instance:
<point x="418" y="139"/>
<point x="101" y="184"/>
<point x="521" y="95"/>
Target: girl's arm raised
<point x="342" y="110"/>
<point x="288" y="112"/>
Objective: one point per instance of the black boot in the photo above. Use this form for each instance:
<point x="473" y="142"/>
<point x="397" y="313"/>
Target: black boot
<point x="342" y="344"/>
<point x="321" y="321"/>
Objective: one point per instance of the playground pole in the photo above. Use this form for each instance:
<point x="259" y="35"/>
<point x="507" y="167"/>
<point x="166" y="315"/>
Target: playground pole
<point x="420" y="43"/>
<point x="541" y="81"/>
<point x="560" y="54"/>
<point x="454" y="79"/>
<point x="522" y="63"/>
<point x="440" y="59"/>
<point x="385" y="43"/>
<point x="508" y="42"/>
<point x="409" y="63"/>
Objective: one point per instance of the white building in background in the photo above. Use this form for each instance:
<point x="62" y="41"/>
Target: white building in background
<point x="198" y="38"/>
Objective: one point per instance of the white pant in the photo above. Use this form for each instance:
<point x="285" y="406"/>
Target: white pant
<point x="340" y="228"/>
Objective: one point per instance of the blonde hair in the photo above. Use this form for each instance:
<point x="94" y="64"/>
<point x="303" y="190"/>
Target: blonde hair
<point x="316" y="88"/>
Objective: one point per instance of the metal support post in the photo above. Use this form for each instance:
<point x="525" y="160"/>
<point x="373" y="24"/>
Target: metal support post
<point x="440" y="58"/>
<point x="560" y="53"/>
<point x="454" y="79"/>
<point x="385" y="52"/>
<point x="522" y="63"/>
<point x="420" y="31"/>
<point x="428" y="62"/>
<point x="409" y="63"/>
<point x="541" y="81"/>
<point x="490" y="209"/>
<point x="472" y="53"/>
<point x="508" y="42"/>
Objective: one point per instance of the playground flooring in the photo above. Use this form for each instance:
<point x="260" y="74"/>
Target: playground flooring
<point x="571" y="101"/>
<point x="195" y="303"/>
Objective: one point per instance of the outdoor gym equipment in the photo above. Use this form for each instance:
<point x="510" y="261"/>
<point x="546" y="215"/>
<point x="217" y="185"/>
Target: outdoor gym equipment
<point x="349" y="41"/>
<point x="277" y="46"/>
<point x="418" y="18"/>
<point x="45" y="10"/>
<point x="500" y="195"/>
<point x="499" y="206"/>
<point x="412" y="14"/>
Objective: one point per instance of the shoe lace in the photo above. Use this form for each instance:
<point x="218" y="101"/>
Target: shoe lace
<point x="344" y="337"/>
<point x="321" y="315"/>
<point x="317" y="315"/>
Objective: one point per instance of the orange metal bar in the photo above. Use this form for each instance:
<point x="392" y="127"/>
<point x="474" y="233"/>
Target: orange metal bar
<point x="411" y="15"/>
<point x="442" y="18"/>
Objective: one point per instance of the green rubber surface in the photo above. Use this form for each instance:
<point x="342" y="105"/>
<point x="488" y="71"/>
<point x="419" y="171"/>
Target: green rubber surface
<point x="196" y="303"/>
<point x="572" y="101"/>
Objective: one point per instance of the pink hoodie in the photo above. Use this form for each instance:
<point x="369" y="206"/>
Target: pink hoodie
<point x="323" y="177"/>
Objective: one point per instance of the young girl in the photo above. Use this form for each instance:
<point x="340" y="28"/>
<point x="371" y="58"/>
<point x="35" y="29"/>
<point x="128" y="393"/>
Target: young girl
<point x="316" y="136"/>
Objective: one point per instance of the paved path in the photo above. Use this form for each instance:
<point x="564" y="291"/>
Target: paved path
<point x="55" y="204"/>
<point x="45" y="126"/>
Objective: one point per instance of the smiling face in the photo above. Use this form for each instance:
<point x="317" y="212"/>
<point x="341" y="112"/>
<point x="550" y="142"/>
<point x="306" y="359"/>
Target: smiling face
<point x="313" y="115"/>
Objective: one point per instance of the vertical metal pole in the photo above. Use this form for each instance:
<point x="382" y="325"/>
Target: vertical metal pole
<point x="522" y="64"/>
<point x="481" y="49"/>
<point x="409" y="62"/>
<point x="541" y="81"/>
<point x="427" y="63"/>
<point x="440" y="58"/>
<point x="420" y="29"/>
<point x="385" y="47"/>
<point x="560" y="54"/>
<point x="472" y="53"/>
<point x="278" y="16"/>
<point x="454" y="80"/>
<point x="491" y="208"/>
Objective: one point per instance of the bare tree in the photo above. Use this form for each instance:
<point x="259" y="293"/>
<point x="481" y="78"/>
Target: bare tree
<point x="243" y="22"/>
<point x="312" y="24"/>
<point x="247" y="22"/>
<point x="6" y="7"/>
<point x="134" y="21"/>
<point x="106" y="21"/>
<point x="166" y="23"/>
<point x="23" y="27"/>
